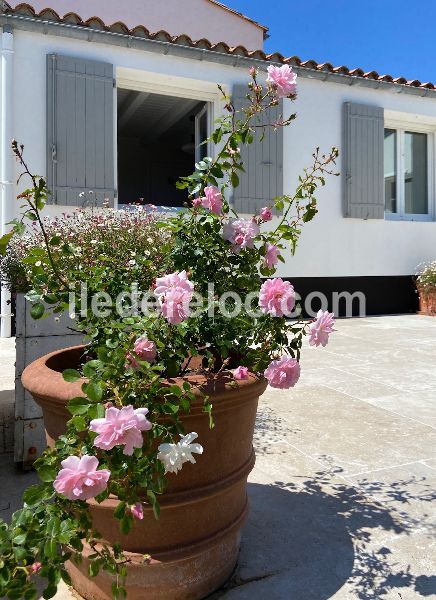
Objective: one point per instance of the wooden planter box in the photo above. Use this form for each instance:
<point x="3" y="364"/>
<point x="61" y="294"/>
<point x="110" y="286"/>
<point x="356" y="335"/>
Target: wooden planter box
<point x="33" y="340"/>
<point x="427" y="301"/>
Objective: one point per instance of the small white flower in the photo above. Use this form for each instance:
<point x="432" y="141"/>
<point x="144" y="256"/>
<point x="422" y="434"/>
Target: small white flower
<point x="173" y="456"/>
<point x="132" y="262"/>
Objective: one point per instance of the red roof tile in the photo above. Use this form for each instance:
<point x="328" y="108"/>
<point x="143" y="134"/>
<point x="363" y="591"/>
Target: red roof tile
<point x="184" y="40"/>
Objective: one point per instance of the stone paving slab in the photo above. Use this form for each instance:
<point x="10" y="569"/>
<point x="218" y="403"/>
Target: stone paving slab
<point x="343" y="492"/>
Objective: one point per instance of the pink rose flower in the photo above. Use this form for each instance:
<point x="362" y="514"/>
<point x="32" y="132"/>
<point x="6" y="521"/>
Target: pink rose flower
<point x="283" y="79"/>
<point x="196" y="202"/>
<point x="241" y="233"/>
<point x="175" y="306"/>
<point x="137" y="511"/>
<point x="240" y="373"/>
<point x="321" y="328"/>
<point x="145" y="349"/>
<point x="277" y="297"/>
<point x="173" y="281"/>
<point x="271" y="256"/>
<point x="283" y="373"/>
<point x="213" y="200"/>
<point x="266" y="214"/>
<point x="36" y="567"/>
<point x="121" y="427"/>
<point x="79" y="478"/>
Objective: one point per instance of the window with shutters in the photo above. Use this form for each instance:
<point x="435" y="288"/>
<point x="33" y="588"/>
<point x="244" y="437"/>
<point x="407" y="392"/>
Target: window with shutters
<point x="409" y="172"/>
<point x="80" y="131"/>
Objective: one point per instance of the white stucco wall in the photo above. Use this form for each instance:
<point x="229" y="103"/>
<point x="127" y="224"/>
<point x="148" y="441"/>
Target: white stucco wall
<point x="196" y="18"/>
<point x="330" y="245"/>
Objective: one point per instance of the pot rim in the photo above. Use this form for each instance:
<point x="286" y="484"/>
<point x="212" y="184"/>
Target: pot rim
<point x="47" y="383"/>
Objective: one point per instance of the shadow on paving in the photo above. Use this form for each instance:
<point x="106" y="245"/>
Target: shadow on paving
<point x="302" y="542"/>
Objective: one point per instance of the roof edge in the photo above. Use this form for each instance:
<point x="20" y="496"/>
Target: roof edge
<point x="25" y="18"/>
<point x="242" y="16"/>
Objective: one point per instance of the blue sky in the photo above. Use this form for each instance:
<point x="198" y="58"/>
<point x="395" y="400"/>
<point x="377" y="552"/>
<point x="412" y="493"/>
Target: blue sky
<point x="397" y="37"/>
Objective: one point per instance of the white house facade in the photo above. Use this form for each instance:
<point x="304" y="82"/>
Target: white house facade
<point x="98" y="103"/>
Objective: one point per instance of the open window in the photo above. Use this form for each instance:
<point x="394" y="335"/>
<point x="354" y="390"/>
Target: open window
<point x="159" y="139"/>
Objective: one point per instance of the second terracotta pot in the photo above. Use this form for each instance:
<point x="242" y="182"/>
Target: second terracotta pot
<point x="427" y="301"/>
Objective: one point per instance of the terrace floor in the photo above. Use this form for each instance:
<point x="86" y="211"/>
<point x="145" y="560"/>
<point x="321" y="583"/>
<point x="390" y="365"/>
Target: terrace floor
<point x="343" y="492"/>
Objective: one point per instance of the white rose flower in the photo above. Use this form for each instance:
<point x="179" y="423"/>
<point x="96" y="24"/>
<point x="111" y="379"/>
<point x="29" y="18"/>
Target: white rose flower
<point x="173" y="456"/>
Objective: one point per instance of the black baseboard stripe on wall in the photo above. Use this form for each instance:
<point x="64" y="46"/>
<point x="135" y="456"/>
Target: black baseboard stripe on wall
<point x="383" y="295"/>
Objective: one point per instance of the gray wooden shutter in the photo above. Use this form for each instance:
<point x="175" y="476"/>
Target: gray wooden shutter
<point x="80" y="131"/>
<point x="363" y="161"/>
<point x="263" y="161"/>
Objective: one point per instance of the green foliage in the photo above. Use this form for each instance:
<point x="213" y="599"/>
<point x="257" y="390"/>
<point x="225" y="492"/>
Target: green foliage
<point x="426" y="278"/>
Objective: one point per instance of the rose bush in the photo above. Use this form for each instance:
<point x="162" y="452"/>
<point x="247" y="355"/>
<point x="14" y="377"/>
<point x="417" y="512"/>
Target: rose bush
<point x="125" y="434"/>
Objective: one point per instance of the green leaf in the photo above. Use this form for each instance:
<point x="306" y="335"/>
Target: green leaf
<point x="235" y="179"/>
<point x="53" y="526"/>
<point x="37" y="311"/>
<point x="91" y="367"/>
<point x="174" y="389"/>
<point x="71" y="375"/>
<point x="51" y="548"/>
<point x="118" y="592"/>
<point x="126" y="523"/>
<point x="66" y="577"/>
<point x="20" y="539"/>
<point x="35" y="494"/>
<point x="93" y="390"/>
<point x="155" y="504"/>
<point x="78" y="406"/>
<point x="120" y="510"/>
<point x="47" y="473"/>
<point x="94" y="568"/>
<point x="96" y="411"/>
<point x="79" y="423"/>
<point x="14" y="594"/>
<point x="50" y="591"/>
<point x="4" y="241"/>
<point x="173" y="368"/>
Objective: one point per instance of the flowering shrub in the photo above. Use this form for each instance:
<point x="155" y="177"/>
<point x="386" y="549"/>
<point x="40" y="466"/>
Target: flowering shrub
<point x="112" y="246"/>
<point x="426" y="277"/>
<point x="125" y="434"/>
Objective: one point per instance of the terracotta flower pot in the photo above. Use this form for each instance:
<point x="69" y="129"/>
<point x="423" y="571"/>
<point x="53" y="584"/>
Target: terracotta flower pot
<point x="194" y="545"/>
<point x="427" y="301"/>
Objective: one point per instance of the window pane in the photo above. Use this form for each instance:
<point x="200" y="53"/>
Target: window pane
<point x="390" y="171"/>
<point x="415" y="173"/>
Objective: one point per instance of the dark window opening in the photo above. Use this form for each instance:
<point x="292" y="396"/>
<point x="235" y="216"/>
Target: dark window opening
<point x="159" y="140"/>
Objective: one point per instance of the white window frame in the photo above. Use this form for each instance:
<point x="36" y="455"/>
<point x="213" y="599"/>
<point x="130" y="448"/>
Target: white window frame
<point x="157" y="83"/>
<point x="401" y="127"/>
